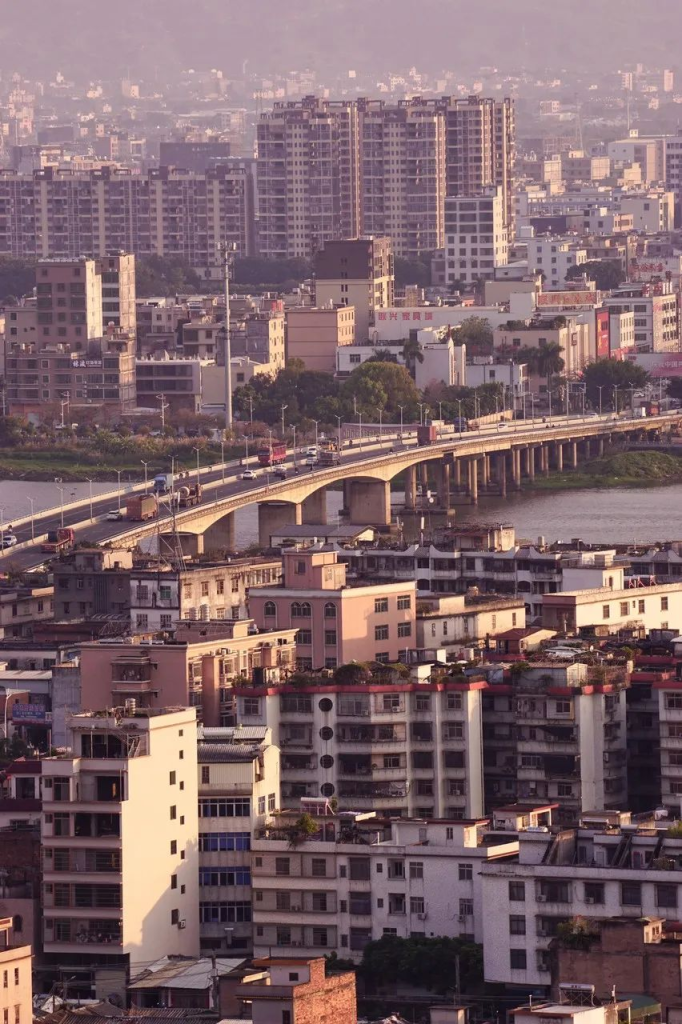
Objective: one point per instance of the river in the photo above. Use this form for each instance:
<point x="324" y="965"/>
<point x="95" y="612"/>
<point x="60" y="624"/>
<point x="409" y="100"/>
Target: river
<point x="615" y="514"/>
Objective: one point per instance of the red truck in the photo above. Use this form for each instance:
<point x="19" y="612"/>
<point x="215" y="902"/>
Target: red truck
<point x="58" y="540"/>
<point x="141" y="507"/>
<point x="427" y="434"/>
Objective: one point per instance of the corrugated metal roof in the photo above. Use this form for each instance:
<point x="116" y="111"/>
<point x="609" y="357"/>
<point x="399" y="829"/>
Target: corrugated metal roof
<point x="215" y="753"/>
<point x="194" y="974"/>
<point x="230" y="733"/>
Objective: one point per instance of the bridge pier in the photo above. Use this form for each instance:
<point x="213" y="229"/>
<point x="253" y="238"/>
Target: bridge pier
<point x="220" y="536"/>
<point x="601" y="447"/>
<point x="314" y="508"/>
<point x="574" y="454"/>
<point x="443" y="484"/>
<point x="544" y="459"/>
<point x="473" y="480"/>
<point x="411" y="487"/>
<point x="273" y="516"/>
<point x="192" y="544"/>
<point x="370" y="503"/>
<point x="559" y="457"/>
<point x="516" y="468"/>
<point x="485" y="472"/>
<point x="458" y="474"/>
<point x="502" y="473"/>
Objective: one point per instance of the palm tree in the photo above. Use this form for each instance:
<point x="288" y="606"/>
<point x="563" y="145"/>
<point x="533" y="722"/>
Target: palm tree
<point x="550" y="361"/>
<point x="412" y="354"/>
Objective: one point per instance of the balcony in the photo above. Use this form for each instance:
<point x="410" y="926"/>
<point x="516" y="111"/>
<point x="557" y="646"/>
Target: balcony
<point x="70" y="935"/>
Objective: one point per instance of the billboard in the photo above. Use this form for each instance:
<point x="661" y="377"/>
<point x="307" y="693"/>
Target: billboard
<point x="568" y="298"/>
<point x="29" y="712"/>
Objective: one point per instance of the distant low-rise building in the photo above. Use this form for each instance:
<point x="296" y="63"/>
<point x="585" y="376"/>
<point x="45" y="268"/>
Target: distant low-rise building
<point x="314" y="334"/>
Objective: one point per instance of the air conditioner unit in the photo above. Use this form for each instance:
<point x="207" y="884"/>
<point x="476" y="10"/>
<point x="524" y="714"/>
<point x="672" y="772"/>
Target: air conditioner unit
<point x="182" y="923"/>
<point x="590" y="899"/>
<point x="542" y="898"/>
<point x="296" y="943"/>
<point x="422" y="917"/>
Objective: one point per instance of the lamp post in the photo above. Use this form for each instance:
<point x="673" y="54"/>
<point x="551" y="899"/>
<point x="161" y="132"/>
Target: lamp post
<point x="317" y="426"/>
<point x="91" y="515"/>
<point x="163" y="405"/>
<point x="9" y="693"/>
<point x="360" y="423"/>
<point x="227" y="251"/>
<point x="32" y="502"/>
<point x="64" y="402"/>
<point x="222" y="457"/>
<point x="58" y="482"/>
<point x="293" y="430"/>
<point x="599" y="389"/>
<point x="338" y="433"/>
<point x="145" y="464"/>
<point x="615" y="397"/>
<point x="2" y="529"/>
<point x="459" y="409"/>
<point x="198" y="451"/>
<point x="401" y="407"/>
<point x="421" y="413"/>
<point x="284" y="409"/>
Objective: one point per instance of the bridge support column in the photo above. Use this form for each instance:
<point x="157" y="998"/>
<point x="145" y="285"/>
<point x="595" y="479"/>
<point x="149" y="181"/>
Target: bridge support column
<point x="458" y="474"/>
<point x="220" y="536"/>
<point x="191" y="544"/>
<point x="485" y="471"/>
<point x="559" y="457"/>
<point x="443" y="484"/>
<point x="273" y="516"/>
<point x="346" y="495"/>
<point x="516" y="468"/>
<point x="424" y="474"/>
<point x="411" y="487"/>
<point x="314" y="508"/>
<point x="502" y="473"/>
<point x="601" y="447"/>
<point x="473" y="480"/>
<point x="370" y="503"/>
<point x="544" y="459"/>
<point x="574" y="454"/>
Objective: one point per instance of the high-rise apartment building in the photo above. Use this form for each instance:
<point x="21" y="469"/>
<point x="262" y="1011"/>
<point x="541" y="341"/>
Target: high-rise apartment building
<point x="480" y="148"/>
<point x="338" y="170"/>
<point x="402" y="173"/>
<point x="476" y="236"/>
<point x="77" y="341"/>
<point x="119" y="836"/>
<point x="66" y="214"/>
<point x="307" y="176"/>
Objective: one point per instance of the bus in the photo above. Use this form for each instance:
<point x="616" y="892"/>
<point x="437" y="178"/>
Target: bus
<point x="271" y="454"/>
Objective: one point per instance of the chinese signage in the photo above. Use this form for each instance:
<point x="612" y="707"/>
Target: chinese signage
<point x="28" y="713"/>
<point x="83" y="364"/>
<point x="405" y="315"/>
<point x="568" y="298"/>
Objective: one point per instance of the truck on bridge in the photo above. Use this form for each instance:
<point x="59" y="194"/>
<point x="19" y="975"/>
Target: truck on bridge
<point x="58" y="540"/>
<point x="271" y="453"/>
<point x="141" y="507"/>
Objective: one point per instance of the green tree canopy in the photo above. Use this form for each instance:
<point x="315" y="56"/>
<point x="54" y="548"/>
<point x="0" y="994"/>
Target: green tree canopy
<point x="476" y="333"/>
<point x="609" y="374"/>
<point x="606" y="274"/>
<point x="395" y="382"/>
<point x="165" y="275"/>
<point x="424" y="962"/>
<point x="17" y="278"/>
<point x="256" y="271"/>
<point x="412" y="272"/>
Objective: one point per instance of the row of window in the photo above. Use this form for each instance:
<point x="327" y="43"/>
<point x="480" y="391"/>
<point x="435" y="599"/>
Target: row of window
<point x="665" y="893"/>
<point x="217" y="842"/>
<point x="225" y="876"/>
<point x="225" y="807"/>
<point x="222" y="913"/>
<point x="355" y="705"/>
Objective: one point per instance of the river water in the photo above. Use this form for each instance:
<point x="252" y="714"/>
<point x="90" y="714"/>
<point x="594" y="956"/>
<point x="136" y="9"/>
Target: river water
<point x="614" y="514"/>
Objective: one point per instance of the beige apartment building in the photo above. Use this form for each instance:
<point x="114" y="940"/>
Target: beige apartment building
<point x="77" y="342"/>
<point x="16" y="964"/>
<point x="314" y="334"/>
<point x="356" y="272"/>
<point x="119" y="836"/>
<point x="62" y="213"/>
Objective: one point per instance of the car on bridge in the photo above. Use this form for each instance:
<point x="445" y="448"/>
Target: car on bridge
<point x="114" y="514"/>
<point x="248" y="474"/>
<point x="9" y="540"/>
<point x="280" y="472"/>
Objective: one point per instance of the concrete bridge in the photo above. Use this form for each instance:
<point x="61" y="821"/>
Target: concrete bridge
<point x="460" y="467"/>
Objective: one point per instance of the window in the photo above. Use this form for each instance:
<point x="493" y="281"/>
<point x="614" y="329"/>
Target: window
<point x="286" y="1014"/>
<point x="175" y="916"/>
<point x="270" y="609"/>
<point x="172" y="778"/>
<point x="517" y="892"/>
<point x="465" y="872"/>
<point x="664" y="604"/>
<point x="416" y="869"/>
<point x="320" y="937"/>
<point x="381" y="632"/>
<point x="205" y="775"/>
<point x="330" y="638"/>
<point x="318" y="867"/>
<point x="404" y="629"/>
<point x="666" y="895"/>
<point x="417" y="905"/>
<point x="453" y="701"/>
<point x="218" y="913"/>
<point x="594" y="892"/>
<point x="330" y="610"/>
<point x="251" y="705"/>
<point x="606" y="614"/>
<point x="466" y="908"/>
<point x="641" y="607"/>
<point x="517" y="959"/>
<point x="225" y="807"/>
<point x="404" y="602"/>
<point x="282" y="866"/>
<point x="217" y="842"/>
<point x="320" y="902"/>
<point x="631" y="894"/>
<point x="271" y="802"/>
<point x="380" y="605"/>
<point x="173" y="812"/>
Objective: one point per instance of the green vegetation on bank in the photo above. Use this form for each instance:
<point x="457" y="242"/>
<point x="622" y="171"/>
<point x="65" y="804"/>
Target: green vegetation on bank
<point x="624" y="469"/>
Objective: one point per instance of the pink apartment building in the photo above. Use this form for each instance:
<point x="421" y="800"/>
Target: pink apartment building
<point x="337" y="622"/>
<point x="194" y="669"/>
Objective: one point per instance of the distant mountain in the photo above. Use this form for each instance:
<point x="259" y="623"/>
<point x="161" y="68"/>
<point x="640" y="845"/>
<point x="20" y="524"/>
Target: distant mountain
<point x="107" y="38"/>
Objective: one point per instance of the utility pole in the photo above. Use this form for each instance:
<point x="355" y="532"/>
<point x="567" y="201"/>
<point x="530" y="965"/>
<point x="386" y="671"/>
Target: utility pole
<point x="227" y="250"/>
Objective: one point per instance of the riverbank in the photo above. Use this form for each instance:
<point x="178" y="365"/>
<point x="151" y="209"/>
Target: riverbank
<point x="624" y="469"/>
<point x="76" y="467"/>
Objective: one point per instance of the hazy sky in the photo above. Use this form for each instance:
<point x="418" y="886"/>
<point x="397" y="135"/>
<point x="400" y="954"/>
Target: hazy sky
<point x="104" y="38"/>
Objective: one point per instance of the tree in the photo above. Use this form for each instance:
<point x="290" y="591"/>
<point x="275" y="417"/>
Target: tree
<point x="394" y="386"/>
<point x="609" y="374"/>
<point x="261" y="272"/>
<point x="476" y="333"/>
<point x="17" y="278"/>
<point x="550" y="361"/>
<point x="425" y="962"/>
<point x="165" y="275"/>
<point x="606" y="274"/>
<point x="412" y="354"/>
<point x="412" y="272"/>
<point x="384" y="355"/>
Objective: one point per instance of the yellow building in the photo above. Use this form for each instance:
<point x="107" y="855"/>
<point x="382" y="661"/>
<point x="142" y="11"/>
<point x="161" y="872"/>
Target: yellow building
<point x="16" y="993"/>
